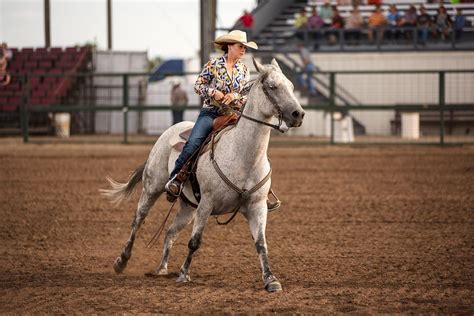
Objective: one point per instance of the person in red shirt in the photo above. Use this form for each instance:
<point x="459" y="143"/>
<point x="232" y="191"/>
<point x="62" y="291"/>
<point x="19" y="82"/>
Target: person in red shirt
<point x="247" y="19"/>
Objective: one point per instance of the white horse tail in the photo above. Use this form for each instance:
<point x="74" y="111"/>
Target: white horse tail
<point x="120" y="191"/>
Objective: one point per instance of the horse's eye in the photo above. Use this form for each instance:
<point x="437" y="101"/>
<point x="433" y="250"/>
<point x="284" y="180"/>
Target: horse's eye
<point x="272" y="86"/>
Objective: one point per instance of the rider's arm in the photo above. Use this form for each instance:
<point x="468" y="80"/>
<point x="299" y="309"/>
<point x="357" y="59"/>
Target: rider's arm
<point x="202" y="85"/>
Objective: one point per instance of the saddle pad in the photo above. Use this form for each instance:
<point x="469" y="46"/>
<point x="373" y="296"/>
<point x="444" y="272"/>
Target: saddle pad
<point x="184" y="136"/>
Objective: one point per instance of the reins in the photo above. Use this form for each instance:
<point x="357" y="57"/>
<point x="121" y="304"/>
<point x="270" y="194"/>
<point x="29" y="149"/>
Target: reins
<point x="277" y="127"/>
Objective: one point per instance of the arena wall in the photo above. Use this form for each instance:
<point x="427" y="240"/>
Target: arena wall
<point x="394" y="89"/>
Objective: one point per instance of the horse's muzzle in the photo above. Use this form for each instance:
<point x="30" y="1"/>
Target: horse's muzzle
<point x="296" y="119"/>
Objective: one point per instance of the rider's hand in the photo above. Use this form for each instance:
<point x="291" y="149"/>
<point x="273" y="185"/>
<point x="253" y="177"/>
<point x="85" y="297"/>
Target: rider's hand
<point x="218" y="96"/>
<point x="228" y="98"/>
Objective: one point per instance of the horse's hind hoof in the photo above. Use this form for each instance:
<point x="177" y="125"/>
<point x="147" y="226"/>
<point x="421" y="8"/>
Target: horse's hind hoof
<point x="156" y="274"/>
<point x="272" y="284"/>
<point x="119" y="265"/>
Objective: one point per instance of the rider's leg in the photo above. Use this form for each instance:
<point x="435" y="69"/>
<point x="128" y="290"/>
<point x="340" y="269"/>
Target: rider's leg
<point x="202" y="128"/>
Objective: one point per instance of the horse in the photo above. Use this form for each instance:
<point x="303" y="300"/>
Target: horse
<point x="241" y="155"/>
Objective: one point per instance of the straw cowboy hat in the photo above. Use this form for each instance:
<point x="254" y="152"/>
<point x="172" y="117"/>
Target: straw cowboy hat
<point x="233" y="37"/>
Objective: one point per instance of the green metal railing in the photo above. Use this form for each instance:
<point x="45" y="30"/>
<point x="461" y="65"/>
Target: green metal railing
<point x="328" y="107"/>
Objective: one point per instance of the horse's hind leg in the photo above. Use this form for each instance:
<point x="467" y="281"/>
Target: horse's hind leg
<point x="147" y="200"/>
<point x="183" y="217"/>
<point x="200" y="221"/>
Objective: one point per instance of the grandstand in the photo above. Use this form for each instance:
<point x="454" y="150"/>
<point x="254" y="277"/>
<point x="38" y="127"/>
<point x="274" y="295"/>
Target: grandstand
<point x="50" y="76"/>
<point x="278" y="33"/>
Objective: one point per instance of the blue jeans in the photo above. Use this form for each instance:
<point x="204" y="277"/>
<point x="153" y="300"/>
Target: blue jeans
<point x="308" y="83"/>
<point x="202" y="128"/>
<point x="423" y="34"/>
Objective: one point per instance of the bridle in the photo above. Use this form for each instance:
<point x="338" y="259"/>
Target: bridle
<point x="271" y="99"/>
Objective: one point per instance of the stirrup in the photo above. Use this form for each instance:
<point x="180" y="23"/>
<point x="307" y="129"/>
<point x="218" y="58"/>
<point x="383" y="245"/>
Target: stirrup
<point x="273" y="205"/>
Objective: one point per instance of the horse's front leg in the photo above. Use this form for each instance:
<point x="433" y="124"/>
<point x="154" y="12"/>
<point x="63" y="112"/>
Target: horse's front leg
<point x="202" y="214"/>
<point x="257" y="217"/>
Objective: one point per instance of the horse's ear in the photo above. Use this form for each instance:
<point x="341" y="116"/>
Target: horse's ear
<point x="257" y="65"/>
<point x="274" y="63"/>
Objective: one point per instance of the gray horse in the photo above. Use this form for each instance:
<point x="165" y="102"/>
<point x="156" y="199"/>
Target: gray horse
<point x="241" y="155"/>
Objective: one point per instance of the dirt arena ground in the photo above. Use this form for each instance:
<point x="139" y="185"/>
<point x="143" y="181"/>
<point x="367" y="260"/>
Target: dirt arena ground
<point x="362" y="229"/>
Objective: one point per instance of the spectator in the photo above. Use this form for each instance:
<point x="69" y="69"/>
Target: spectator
<point x="377" y="23"/>
<point x="443" y="23"/>
<point x="344" y="2"/>
<point x="409" y="20"/>
<point x="315" y="23"/>
<point x="394" y="20"/>
<point x="301" y="23"/>
<point x="325" y="12"/>
<point x="423" y="22"/>
<point x="247" y="22"/>
<point x="7" y="52"/>
<point x="337" y="24"/>
<point x="354" y="24"/>
<point x="308" y="70"/>
<point x="459" y="23"/>
<point x="376" y="3"/>
<point x="179" y="99"/>
<point x="4" y="75"/>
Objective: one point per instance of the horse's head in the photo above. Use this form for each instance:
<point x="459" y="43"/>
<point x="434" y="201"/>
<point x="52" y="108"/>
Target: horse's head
<point x="278" y="91"/>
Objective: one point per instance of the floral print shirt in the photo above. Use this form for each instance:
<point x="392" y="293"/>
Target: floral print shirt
<point x="215" y="76"/>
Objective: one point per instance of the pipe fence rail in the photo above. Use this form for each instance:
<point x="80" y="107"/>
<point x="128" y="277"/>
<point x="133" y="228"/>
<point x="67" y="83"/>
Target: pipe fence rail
<point x="443" y="114"/>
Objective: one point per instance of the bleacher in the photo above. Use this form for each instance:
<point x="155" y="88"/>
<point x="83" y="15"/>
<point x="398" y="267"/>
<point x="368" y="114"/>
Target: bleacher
<point x="49" y="79"/>
<point x="280" y="34"/>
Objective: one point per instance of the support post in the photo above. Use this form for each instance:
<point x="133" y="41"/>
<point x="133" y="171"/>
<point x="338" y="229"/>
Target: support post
<point x="208" y="28"/>
<point x="332" y="101"/>
<point x="47" y="24"/>
<point x="24" y="115"/>
<point x="109" y="24"/>
<point x="125" y="108"/>
<point x="441" y="105"/>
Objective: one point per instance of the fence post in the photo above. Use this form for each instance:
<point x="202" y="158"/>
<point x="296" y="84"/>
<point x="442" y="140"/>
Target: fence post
<point x="441" y="91"/>
<point x="332" y="104"/>
<point x="125" y="108"/>
<point x="24" y="115"/>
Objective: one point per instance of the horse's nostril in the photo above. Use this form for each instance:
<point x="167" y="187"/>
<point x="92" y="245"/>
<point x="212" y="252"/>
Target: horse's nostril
<point x="302" y="115"/>
<point x="295" y="114"/>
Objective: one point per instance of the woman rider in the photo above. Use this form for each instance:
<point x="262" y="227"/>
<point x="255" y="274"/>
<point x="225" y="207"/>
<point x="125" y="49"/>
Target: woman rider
<point x="221" y="82"/>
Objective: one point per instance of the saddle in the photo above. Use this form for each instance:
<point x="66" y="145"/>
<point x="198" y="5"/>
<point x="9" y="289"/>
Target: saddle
<point x="221" y="125"/>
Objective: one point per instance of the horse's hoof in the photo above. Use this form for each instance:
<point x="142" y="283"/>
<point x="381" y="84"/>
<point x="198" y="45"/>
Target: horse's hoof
<point x="162" y="272"/>
<point x="272" y="284"/>
<point x="155" y="274"/>
<point x="119" y="265"/>
<point x="183" y="278"/>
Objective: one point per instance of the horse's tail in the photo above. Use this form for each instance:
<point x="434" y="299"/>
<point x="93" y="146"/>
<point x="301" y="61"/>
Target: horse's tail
<point x="120" y="191"/>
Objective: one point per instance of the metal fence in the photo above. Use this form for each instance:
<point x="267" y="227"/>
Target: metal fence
<point x="407" y="107"/>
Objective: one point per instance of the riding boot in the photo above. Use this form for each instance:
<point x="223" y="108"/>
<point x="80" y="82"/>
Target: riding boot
<point x="175" y="185"/>
<point x="173" y="188"/>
